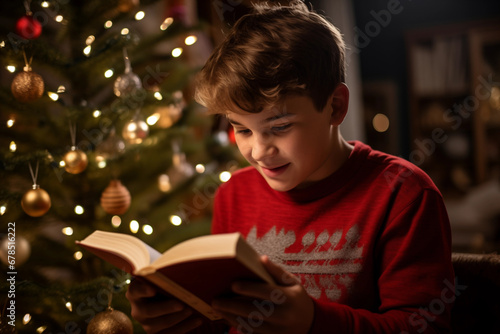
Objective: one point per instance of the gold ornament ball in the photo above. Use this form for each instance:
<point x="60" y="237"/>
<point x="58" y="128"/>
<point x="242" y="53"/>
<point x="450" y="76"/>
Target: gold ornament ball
<point x="110" y="322"/>
<point x="27" y="86"/>
<point x="75" y="161"/>
<point x="36" y="202"/>
<point x="135" y="131"/>
<point x="23" y="250"/>
<point x="115" y="199"/>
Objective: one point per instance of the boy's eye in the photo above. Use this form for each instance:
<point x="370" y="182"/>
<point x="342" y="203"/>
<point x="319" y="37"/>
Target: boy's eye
<point x="242" y="131"/>
<point x="281" y="127"/>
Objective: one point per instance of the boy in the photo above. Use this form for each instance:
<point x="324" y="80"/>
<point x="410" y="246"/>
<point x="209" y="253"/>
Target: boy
<point x="358" y="241"/>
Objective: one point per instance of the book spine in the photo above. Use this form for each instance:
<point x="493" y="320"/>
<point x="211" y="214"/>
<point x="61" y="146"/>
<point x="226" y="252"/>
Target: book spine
<point x="182" y="294"/>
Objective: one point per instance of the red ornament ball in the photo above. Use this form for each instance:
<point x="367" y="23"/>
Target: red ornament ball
<point x="28" y="27"/>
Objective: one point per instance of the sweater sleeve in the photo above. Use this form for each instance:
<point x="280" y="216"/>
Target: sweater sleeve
<point x="415" y="277"/>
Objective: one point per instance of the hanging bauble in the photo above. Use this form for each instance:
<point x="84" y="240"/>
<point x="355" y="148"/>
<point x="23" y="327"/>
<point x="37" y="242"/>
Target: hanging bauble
<point x="36" y="202"/>
<point x="22" y="248"/>
<point x="27" y="86"/>
<point x="127" y="84"/>
<point x="110" y="148"/>
<point x="115" y="199"/>
<point x="135" y="131"/>
<point x="28" y="27"/>
<point x="75" y="161"/>
<point x="110" y="321"/>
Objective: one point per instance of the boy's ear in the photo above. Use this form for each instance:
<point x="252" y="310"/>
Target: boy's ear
<point x="338" y="103"/>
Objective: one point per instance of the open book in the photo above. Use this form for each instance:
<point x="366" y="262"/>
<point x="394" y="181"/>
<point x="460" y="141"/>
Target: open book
<point x="194" y="271"/>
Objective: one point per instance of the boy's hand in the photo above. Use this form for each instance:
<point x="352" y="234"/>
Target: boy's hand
<point x="264" y="308"/>
<point x="159" y="313"/>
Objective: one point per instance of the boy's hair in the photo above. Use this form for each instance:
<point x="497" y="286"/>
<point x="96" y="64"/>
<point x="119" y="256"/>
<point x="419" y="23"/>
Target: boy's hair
<point x="270" y="53"/>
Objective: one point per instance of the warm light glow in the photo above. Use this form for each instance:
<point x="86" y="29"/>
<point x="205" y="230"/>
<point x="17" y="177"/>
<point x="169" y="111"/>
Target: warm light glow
<point x="69" y="306"/>
<point x="200" y="168"/>
<point x="3" y="209"/>
<point x="175" y="220"/>
<point x="125" y="31"/>
<point x="224" y="176"/>
<point x="62" y="163"/>
<point x="87" y="50"/>
<point x="45" y="4"/>
<point x="2" y="44"/>
<point x="96" y="113"/>
<point x="10" y="122"/>
<point x="79" y="209"/>
<point x="61" y="89"/>
<point x="59" y="18"/>
<point x="90" y="40"/>
<point x="53" y="96"/>
<point x="41" y="329"/>
<point x="176" y="52"/>
<point x="151" y="120"/>
<point x="164" y="183"/>
<point x="134" y="226"/>
<point x="67" y="231"/>
<point x="190" y="40"/>
<point x="116" y="221"/>
<point x="108" y="24"/>
<point x="26" y="318"/>
<point x="380" y="123"/>
<point x="109" y="73"/>
<point x="102" y="164"/>
<point x="12" y="146"/>
<point x="139" y="15"/>
<point x="158" y="96"/>
<point x="168" y="21"/>
<point x="11" y="68"/>
<point x="78" y="255"/>
<point x="147" y="229"/>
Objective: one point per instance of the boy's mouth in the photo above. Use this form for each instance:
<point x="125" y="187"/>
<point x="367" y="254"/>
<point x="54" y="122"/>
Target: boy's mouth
<point x="274" y="171"/>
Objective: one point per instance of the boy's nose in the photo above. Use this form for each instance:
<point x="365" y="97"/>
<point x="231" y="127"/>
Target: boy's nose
<point x="263" y="148"/>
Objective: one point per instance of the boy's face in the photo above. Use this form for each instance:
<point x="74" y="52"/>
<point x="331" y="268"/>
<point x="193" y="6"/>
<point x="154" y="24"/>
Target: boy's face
<point x="290" y="146"/>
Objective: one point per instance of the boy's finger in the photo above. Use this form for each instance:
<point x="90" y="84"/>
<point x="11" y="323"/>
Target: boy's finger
<point x="280" y="275"/>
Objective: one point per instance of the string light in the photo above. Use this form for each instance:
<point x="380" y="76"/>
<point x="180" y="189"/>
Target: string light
<point x="12" y="146"/>
<point x="175" y="220"/>
<point x="79" y="209"/>
<point x="2" y="44"/>
<point x="87" y="49"/>
<point x="190" y="40"/>
<point x="26" y="318"/>
<point x="139" y="15"/>
<point x="116" y="221"/>
<point x="176" y="52"/>
<point x="62" y="164"/>
<point x="224" y="176"/>
<point x="10" y="122"/>
<point x="3" y="209"/>
<point x="67" y="231"/>
<point x="96" y="113"/>
<point x="200" y="168"/>
<point x="380" y="123"/>
<point x="147" y="229"/>
<point x="45" y="4"/>
<point x="53" y="96"/>
<point x="109" y="73"/>
<point x="158" y="96"/>
<point x="41" y="329"/>
<point x="59" y="18"/>
<point x="165" y="24"/>
<point x="164" y="183"/>
<point x="11" y="68"/>
<point x="69" y="306"/>
<point x="61" y="89"/>
<point x="108" y="24"/>
<point x="151" y="120"/>
<point x="134" y="226"/>
<point x="125" y="31"/>
<point x="78" y="255"/>
<point x="102" y="164"/>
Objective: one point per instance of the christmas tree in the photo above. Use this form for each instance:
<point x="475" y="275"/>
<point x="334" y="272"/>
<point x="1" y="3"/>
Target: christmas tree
<point x="98" y="131"/>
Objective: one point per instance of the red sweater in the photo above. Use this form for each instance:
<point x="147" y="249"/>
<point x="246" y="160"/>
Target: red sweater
<point x="370" y="243"/>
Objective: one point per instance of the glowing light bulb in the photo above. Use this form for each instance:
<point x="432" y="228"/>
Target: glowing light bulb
<point x="176" y="52"/>
<point x="147" y="229"/>
<point x="59" y="18"/>
<point x="200" y="169"/>
<point x="108" y="24"/>
<point x="87" y="50"/>
<point x="134" y="226"/>
<point x="116" y="221"/>
<point x="53" y="96"/>
<point x="12" y="146"/>
<point x="125" y="31"/>
<point x="78" y="255"/>
<point x="158" y="96"/>
<point x="165" y="24"/>
<point x="109" y="73"/>
<point x="139" y="15"/>
<point x="11" y="68"/>
<point x="175" y="220"/>
<point x="79" y="209"/>
<point x="151" y="120"/>
<point x="224" y="176"/>
<point x="190" y="40"/>
<point x="67" y="231"/>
